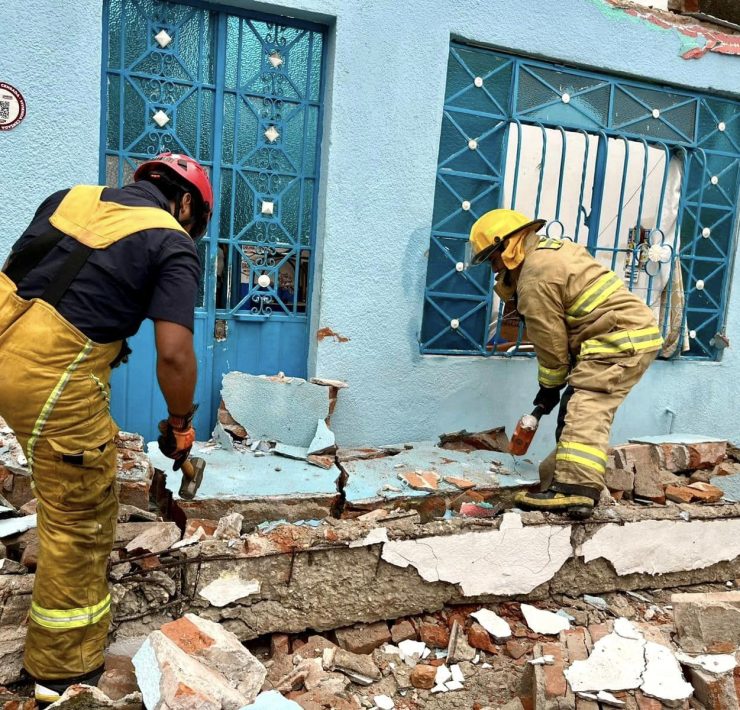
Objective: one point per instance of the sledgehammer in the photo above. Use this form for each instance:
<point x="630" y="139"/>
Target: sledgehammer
<point x="192" y="477"/>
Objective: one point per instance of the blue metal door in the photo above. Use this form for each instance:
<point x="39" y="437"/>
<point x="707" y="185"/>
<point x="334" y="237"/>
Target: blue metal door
<point x="242" y="94"/>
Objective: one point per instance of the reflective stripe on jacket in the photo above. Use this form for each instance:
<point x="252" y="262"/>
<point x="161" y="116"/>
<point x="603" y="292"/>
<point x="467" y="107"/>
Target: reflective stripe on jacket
<point x="576" y="308"/>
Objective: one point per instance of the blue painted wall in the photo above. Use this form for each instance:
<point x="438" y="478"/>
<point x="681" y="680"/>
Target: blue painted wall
<point x="386" y="87"/>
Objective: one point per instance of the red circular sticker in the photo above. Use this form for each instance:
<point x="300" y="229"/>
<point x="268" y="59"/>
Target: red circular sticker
<point x="12" y="106"/>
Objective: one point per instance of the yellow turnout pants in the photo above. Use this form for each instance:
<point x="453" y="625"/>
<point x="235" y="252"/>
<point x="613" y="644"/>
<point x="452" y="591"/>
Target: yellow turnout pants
<point x="598" y="388"/>
<point x="54" y="394"/>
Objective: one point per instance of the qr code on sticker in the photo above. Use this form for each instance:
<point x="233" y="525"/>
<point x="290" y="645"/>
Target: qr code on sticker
<point x="4" y="110"/>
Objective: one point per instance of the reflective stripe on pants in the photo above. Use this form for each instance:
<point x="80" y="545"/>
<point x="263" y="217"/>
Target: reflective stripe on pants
<point x="70" y="612"/>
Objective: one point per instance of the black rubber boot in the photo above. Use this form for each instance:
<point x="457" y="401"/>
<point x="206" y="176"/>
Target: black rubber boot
<point x="47" y="692"/>
<point x="576" y="501"/>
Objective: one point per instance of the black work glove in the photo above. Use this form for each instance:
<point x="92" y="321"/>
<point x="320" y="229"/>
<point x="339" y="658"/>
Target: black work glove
<point x="547" y="398"/>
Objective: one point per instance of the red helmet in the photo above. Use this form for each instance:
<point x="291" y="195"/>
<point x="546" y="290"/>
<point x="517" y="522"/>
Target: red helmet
<point x="188" y="169"/>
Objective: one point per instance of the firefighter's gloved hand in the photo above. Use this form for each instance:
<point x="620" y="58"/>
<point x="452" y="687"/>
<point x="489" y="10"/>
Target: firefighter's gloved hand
<point x="548" y="398"/>
<point x="175" y="443"/>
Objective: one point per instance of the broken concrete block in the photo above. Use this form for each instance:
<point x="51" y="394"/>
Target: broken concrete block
<point x="620" y="479"/>
<point x="294" y="406"/>
<point x="706" y="492"/>
<point x="289" y="451"/>
<point x="12" y="642"/>
<point x="423" y="676"/>
<point x="459" y="649"/>
<point x="229" y="527"/>
<point x="730" y="486"/>
<point x="544" y="622"/>
<point x="421" y="480"/>
<point x="714" y="691"/>
<point x="85" y="697"/>
<point x="360" y="669"/>
<point x="707" y="623"/>
<point x="363" y="638"/>
<point x="12" y="567"/>
<point x="648" y="483"/>
<point x="219" y="650"/>
<point x="170" y="679"/>
<point x="157" y="537"/>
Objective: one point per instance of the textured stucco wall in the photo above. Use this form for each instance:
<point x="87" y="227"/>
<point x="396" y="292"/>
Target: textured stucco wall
<point x="50" y="51"/>
<point x="383" y="114"/>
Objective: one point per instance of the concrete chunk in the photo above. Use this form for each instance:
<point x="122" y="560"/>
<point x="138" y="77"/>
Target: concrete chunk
<point x="157" y="537"/>
<point x="170" y="679"/>
<point x="219" y="650"/>
<point x="717" y="692"/>
<point x="283" y="409"/>
<point x="363" y="638"/>
<point x="707" y="623"/>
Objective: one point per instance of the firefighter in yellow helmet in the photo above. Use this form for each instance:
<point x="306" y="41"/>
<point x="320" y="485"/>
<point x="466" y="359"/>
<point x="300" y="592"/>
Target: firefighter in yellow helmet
<point x="591" y="336"/>
<point x="91" y="266"/>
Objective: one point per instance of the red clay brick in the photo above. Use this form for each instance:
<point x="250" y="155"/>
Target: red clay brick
<point x="185" y="634"/>
<point x="575" y="644"/>
<point x="478" y="638"/>
<point x="422" y="676"/>
<point x="434" y="635"/>
<point x="555" y="683"/>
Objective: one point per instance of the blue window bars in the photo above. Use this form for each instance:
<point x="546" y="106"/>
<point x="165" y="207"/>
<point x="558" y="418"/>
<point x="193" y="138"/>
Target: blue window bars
<point x="645" y="176"/>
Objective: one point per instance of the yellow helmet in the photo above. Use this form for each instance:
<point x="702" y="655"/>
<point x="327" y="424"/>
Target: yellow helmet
<point x="489" y="232"/>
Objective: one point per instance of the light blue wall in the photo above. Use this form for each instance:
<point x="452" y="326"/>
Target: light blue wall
<point x="383" y="114"/>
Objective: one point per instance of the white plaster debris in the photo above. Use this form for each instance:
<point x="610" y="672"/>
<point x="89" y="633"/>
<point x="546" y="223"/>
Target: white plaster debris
<point x="14" y="526"/>
<point x="608" y="699"/>
<point x="193" y="539"/>
<point x="412" y="651"/>
<point x="454" y="685"/>
<point x="717" y="663"/>
<point x="546" y="660"/>
<point x="492" y="623"/>
<point x="443" y="675"/>
<point x="228" y="589"/>
<point x="511" y="521"/>
<point x="374" y="537"/>
<point x="617" y="662"/>
<point x="544" y="622"/>
<point x="624" y="660"/>
<point x="515" y="560"/>
<point x="457" y="674"/>
<point x="662" y="678"/>
<point x="663" y="546"/>
<point x="486" y="665"/>
<point x="383" y="702"/>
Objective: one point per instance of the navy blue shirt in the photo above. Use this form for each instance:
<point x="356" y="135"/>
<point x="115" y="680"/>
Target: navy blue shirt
<point x="153" y="273"/>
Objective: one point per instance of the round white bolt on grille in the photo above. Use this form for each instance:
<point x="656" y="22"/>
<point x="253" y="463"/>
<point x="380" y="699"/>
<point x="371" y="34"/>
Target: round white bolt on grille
<point x="454" y="324"/>
<point x="565" y="98"/>
<point x="478" y="81"/>
<point x="699" y="285"/>
<point x="706" y="232"/>
<point x="721" y="126"/>
<point x="656" y="113"/>
<point x="692" y="334"/>
<point x="459" y="266"/>
<point x="466" y="205"/>
<point x="657" y="253"/>
<point x="163" y="39"/>
<point x="473" y="144"/>
<point x="263" y="281"/>
<point x="714" y="180"/>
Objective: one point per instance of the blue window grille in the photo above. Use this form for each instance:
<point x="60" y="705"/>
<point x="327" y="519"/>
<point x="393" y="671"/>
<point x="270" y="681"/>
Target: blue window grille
<point x="645" y="176"/>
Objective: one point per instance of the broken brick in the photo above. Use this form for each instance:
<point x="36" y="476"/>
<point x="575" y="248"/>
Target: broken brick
<point x="489" y="440"/>
<point x="434" y="635"/>
<point x="479" y="638"/>
<point x="157" y="537"/>
<point x="706" y="492"/>
<point x="279" y="645"/>
<point x="680" y="494"/>
<point x="192" y="525"/>
<point x="516" y="649"/>
<point x="462" y="483"/>
<point x="117" y="684"/>
<point x="554" y="677"/>
<point x="619" y="479"/>
<point x="421" y="480"/>
<point x="423" y="675"/>
<point x="403" y="630"/>
<point x="576" y="643"/>
<point x="363" y="638"/>
<point x="714" y="691"/>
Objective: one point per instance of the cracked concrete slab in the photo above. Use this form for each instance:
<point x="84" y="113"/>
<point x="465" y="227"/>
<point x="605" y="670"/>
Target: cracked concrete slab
<point x="510" y="561"/>
<point x="376" y="479"/>
<point x="663" y="546"/>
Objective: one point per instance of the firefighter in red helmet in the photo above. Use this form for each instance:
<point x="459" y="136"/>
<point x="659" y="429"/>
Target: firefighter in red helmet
<point x="91" y="266"/>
